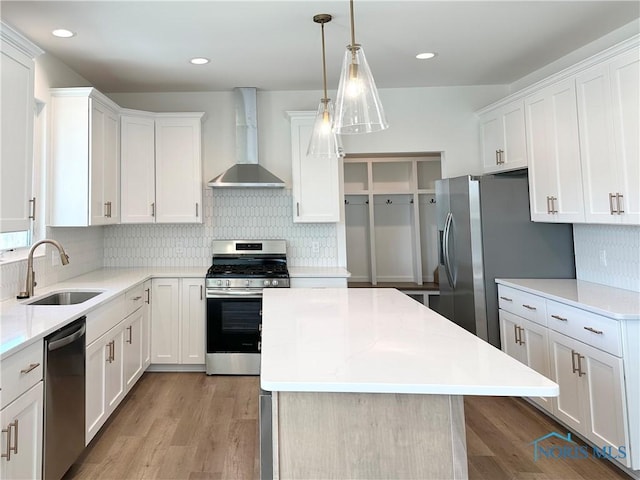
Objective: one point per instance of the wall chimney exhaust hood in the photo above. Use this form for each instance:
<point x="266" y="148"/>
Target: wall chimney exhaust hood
<point x="246" y="173"/>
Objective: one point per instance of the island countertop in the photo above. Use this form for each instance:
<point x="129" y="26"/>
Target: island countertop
<point x="380" y="341"/>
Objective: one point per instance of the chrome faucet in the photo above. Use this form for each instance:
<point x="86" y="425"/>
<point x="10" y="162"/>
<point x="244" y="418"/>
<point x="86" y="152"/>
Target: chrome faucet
<point x="31" y="275"/>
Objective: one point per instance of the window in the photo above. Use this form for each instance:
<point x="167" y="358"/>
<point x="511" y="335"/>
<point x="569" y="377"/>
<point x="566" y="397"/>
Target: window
<point x="13" y="240"/>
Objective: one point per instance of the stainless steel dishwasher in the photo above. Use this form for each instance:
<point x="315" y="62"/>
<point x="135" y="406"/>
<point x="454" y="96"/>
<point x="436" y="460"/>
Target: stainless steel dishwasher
<point x="64" y="399"/>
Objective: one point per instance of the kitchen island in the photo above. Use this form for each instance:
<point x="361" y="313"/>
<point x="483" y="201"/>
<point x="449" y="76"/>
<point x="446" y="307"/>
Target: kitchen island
<point x="368" y="383"/>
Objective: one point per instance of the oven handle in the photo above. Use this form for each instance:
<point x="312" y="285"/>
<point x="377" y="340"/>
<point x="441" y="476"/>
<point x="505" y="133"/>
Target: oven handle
<point x="232" y="293"/>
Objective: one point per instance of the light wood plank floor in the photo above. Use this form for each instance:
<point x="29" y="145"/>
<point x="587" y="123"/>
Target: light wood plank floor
<point x="193" y="426"/>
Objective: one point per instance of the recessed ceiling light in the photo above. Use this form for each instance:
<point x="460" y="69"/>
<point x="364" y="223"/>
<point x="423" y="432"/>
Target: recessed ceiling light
<point x="63" y="33"/>
<point x="199" y="61"/>
<point x="425" y="56"/>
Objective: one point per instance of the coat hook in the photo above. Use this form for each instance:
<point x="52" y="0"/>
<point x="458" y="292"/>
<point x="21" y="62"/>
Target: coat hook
<point x="346" y="202"/>
<point x="433" y="200"/>
<point x="389" y="202"/>
<point x="367" y="202"/>
<point x="411" y="201"/>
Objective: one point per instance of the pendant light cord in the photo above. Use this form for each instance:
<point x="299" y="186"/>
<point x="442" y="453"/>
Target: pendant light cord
<point x="353" y="32"/>
<point x="324" y="70"/>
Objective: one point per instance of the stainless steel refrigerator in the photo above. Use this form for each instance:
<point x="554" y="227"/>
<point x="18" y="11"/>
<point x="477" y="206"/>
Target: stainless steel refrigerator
<point x="485" y="232"/>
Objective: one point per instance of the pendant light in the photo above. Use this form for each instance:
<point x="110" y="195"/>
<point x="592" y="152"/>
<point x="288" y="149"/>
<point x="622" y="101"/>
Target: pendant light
<point x="358" y="107"/>
<point x="324" y="142"/>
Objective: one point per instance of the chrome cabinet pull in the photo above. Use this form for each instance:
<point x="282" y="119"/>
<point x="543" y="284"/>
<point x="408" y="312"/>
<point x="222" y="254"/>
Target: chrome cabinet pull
<point x="553" y="205"/>
<point x="506" y="299"/>
<point x="106" y="209"/>
<point x="593" y="330"/>
<point x="7" y="453"/>
<point x="529" y="307"/>
<point x="148" y="296"/>
<point x="574" y="369"/>
<point x="15" y="437"/>
<point x="130" y="328"/>
<point x="619" y="198"/>
<point x="31" y="367"/>
<point x="548" y="204"/>
<point x="611" y="209"/>
<point x="196" y="209"/>
<point x="558" y="317"/>
<point x="515" y="334"/>
<point x="200" y="292"/>
<point x="153" y="209"/>
<point x="135" y="299"/>
<point x="497" y="160"/>
<point x="33" y="208"/>
<point x="580" y="372"/>
<point x="297" y="209"/>
<point x="522" y="342"/>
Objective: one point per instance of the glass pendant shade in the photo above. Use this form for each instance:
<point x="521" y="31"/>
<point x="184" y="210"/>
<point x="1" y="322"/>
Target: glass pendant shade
<point x="324" y="142"/>
<point x="358" y="107"/>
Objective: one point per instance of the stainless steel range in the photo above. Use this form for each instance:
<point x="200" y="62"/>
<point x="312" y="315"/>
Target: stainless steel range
<point x="239" y="271"/>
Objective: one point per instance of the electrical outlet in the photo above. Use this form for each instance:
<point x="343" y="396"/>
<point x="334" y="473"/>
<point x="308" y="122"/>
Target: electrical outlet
<point x="315" y="247"/>
<point x="603" y="258"/>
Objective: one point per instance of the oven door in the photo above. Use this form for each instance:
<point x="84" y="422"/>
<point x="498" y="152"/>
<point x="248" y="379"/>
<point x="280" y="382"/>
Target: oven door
<point x="234" y="321"/>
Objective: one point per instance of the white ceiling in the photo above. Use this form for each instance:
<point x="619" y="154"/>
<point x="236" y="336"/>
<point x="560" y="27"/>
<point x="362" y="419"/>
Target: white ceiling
<point x="144" y="46"/>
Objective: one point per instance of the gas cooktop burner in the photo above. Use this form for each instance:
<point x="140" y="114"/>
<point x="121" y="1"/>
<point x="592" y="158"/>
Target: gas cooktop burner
<point x="264" y="270"/>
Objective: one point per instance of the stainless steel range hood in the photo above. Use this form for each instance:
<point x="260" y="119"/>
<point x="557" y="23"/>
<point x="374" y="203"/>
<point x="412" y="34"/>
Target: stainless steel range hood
<point x="246" y="173"/>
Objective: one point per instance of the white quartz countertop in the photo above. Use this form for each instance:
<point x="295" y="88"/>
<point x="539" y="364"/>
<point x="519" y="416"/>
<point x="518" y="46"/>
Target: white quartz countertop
<point x="21" y="324"/>
<point x="601" y="299"/>
<point x="380" y="341"/>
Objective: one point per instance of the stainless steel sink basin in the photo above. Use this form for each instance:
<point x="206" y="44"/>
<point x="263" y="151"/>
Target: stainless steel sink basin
<point x="65" y="298"/>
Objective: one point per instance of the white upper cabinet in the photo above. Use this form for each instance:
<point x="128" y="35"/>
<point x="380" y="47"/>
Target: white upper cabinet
<point x="178" y="168"/>
<point x="554" y="154"/>
<point x="608" y="113"/>
<point x="503" y="137"/>
<point x="137" y="167"/>
<point x="85" y="158"/>
<point x="17" y="111"/>
<point x="316" y="181"/>
<point x="161" y="167"/>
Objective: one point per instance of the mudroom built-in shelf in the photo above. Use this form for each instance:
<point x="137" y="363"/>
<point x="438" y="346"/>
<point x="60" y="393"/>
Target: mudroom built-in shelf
<point x="390" y="219"/>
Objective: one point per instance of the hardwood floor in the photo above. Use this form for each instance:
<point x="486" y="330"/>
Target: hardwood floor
<point x="192" y="426"/>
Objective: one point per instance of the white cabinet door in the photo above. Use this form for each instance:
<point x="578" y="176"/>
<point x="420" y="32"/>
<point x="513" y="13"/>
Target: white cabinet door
<point x="104" y="164"/>
<point x="571" y="404"/>
<point x="192" y="321"/>
<point x="165" y="320"/>
<point x="23" y="420"/>
<point x="178" y="168"/>
<point x="96" y="358"/>
<point x="555" y="176"/>
<point x="535" y="344"/>
<point x="137" y="161"/>
<point x="17" y="71"/>
<point x="146" y="326"/>
<point x="316" y="182"/>
<point x="604" y="385"/>
<point x="625" y="84"/>
<point x="510" y="335"/>
<point x="503" y="136"/>
<point x="133" y="346"/>
<point x="114" y="375"/>
<point x="608" y="111"/>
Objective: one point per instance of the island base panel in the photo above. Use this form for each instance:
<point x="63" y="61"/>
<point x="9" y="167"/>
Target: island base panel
<point x="369" y="436"/>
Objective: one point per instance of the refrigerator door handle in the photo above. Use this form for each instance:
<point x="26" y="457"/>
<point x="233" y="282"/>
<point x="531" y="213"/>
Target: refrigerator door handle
<point x="445" y="241"/>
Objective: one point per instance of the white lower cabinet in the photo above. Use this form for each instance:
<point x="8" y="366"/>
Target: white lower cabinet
<point x="586" y="354"/>
<point x="178" y="321"/>
<point x="591" y="392"/>
<point x="22" y="427"/>
<point x="526" y="341"/>
<point x="105" y="386"/>
<point x="132" y="348"/>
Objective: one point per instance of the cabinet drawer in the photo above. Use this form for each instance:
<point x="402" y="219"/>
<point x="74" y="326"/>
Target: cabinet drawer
<point x="134" y="298"/>
<point x="590" y="328"/>
<point x="523" y="304"/>
<point x="104" y="318"/>
<point x="21" y="371"/>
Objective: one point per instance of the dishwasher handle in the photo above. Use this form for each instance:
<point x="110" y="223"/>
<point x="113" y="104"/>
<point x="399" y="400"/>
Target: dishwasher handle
<point x="66" y="337"/>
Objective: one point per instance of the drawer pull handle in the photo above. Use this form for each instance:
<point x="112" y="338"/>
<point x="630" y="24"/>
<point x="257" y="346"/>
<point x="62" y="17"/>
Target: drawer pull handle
<point x="135" y="299"/>
<point x="529" y="307"/>
<point x="593" y="330"/>
<point x="506" y="299"/>
<point x="32" y="366"/>
<point x="558" y="317"/>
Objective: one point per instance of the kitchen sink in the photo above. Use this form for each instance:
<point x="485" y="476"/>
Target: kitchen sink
<point x="64" y="298"/>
